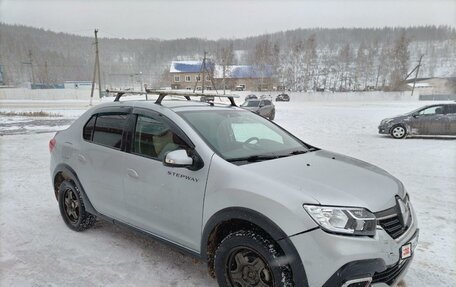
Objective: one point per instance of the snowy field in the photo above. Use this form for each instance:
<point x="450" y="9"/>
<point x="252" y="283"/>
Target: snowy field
<point x="37" y="249"/>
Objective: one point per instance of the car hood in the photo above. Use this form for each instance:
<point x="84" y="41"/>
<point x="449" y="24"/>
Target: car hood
<point x="253" y="109"/>
<point x="333" y="179"/>
<point x="396" y="118"/>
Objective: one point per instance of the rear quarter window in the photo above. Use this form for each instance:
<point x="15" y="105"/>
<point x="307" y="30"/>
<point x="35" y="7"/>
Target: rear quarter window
<point x="108" y="130"/>
<point x="88" y="129"/>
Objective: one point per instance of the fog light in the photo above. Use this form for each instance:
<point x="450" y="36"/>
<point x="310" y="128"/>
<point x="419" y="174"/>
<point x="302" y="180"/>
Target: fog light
<point x="361" y="282"/>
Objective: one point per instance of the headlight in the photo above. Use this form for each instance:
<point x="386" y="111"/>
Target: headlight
<point x="386" y="121"/>
<point x="346" y="220"/>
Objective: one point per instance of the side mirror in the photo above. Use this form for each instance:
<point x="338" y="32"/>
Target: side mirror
<point x="178" y="158"/>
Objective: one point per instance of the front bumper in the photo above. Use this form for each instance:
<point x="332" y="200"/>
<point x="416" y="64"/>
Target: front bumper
<point x="383" y="129"/>
<point x="332" y="260"/>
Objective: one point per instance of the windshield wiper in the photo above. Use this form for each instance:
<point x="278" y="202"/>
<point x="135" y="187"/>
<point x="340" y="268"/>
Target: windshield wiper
<point x="253" y="158"/>
<point x="295" y="152"/>
<point x="299" y="151"/>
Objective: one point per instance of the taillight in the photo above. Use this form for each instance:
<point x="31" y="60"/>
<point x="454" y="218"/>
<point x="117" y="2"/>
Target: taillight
<point x="52" y="144"/>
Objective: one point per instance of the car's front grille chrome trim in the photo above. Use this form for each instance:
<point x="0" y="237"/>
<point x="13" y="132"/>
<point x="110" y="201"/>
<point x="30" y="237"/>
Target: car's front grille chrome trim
<point x="395" y="226"/>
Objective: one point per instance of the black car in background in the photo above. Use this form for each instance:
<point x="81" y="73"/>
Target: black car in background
<point x="283" y="98"/>
<point x="437" y="119"/>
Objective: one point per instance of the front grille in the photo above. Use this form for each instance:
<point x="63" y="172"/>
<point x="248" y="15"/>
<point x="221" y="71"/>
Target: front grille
<point x="393" y="226"/>
<point x="390" y="274"/>
<point x="397" y="219"/>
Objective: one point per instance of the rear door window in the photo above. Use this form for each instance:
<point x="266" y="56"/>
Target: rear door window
<point x="451" y="109"/>
<point x="109" y="129"/>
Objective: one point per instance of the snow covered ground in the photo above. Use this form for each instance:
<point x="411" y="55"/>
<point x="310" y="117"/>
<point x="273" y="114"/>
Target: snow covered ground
<point x="37" y="249"/>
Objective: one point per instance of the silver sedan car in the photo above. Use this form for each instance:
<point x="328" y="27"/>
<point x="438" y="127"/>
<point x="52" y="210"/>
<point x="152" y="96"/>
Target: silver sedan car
<point x="438" y="119"/>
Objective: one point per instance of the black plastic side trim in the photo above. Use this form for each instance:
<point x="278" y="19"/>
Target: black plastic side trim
<point x="146" y="234"/>
<point x="299" y="274"/>
<point x="355" y="270"/>
<point x="69" y="172"/>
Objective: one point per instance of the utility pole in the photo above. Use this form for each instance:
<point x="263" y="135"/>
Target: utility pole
<point x="224" y="69"/>
<point x="31" y="66"/>
<point x="203" y="80"/>
<point x="30" y="62"/>
<point x="204" y="69"/>
<point x="95" y="69"/>
<point x="416" y="75"/>
<point x="46" y="72"/>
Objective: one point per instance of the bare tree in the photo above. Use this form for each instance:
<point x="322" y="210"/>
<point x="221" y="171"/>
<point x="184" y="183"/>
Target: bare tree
<point x="400" y="60"/>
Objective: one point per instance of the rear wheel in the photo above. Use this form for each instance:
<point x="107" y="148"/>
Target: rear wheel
<point x="398" y="132"/>
<point x="247" y="259"/>
<point x="72" y="207"/>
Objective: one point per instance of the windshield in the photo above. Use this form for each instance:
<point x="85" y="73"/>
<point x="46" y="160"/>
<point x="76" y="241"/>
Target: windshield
<point x="251" y="104"/>
<point x="243" y="136"/>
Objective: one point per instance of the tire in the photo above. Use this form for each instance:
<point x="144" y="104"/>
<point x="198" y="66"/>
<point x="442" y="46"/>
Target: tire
<point x="398" y="131"/>
<point x="72" y="207"/>
<point x="247" y="259"/>
<point x="272" y="116"/>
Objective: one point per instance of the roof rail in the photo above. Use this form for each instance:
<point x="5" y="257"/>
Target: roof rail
<point x="163" y="93"/>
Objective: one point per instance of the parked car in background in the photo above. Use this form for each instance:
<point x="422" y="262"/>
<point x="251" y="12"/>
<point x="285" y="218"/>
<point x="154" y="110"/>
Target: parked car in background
<point x="283" y="98"/>
<point x="251" y="97"/>
<point x="437" y="119"/>
<point x="262" y="107"/>
<point x="239" y="88"/>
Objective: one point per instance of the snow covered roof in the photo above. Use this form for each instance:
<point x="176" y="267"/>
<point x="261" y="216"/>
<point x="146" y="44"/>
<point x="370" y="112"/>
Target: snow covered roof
<point x="189" y="66"/>
<point x="420" y="85"/>
<point x="242" y="72"/>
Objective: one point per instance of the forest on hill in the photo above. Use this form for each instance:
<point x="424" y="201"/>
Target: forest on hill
<point x="303" y="59"/>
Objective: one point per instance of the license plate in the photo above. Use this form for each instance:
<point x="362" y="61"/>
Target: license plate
<point x="406" y="250"/>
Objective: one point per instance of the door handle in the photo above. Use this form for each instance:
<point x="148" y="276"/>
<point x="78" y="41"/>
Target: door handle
<point x="132" y="173"/>
<point x="82" y="158"/>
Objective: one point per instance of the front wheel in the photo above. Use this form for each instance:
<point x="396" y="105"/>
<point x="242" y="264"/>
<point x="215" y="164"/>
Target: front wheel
<point x="248" y="259"/>
<point x="398" y="132"/>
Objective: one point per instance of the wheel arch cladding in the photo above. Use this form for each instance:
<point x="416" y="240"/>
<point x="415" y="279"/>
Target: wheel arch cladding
<point x="63" y="172"/>
<point x="234" y="219"/>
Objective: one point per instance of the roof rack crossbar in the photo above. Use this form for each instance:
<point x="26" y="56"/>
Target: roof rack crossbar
<point x="163" y="93"/>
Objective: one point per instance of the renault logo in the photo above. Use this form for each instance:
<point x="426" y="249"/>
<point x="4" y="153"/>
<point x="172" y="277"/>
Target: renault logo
<point x="405" y="211"/>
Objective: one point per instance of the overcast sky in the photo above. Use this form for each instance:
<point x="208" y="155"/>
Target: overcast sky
<point x="217" y="18"/>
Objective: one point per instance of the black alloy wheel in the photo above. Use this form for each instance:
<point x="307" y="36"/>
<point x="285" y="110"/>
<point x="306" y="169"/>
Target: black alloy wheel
<point x="245" y="268"/>
<point x="72" y="207"/>
<point x="248" y="258"/>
